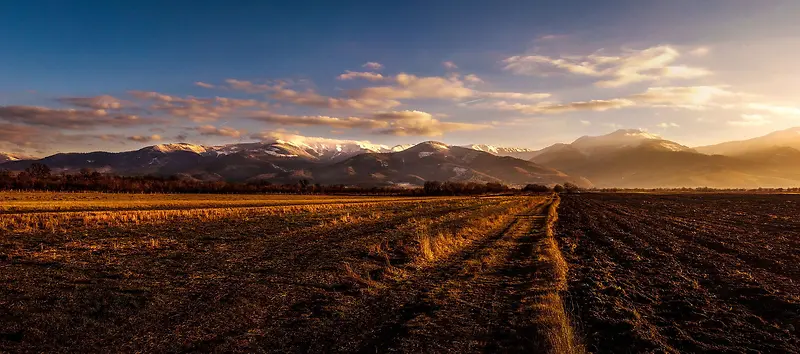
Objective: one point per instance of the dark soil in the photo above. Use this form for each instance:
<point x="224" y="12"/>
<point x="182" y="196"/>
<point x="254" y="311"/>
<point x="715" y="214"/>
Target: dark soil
<point x="684" y="273"/>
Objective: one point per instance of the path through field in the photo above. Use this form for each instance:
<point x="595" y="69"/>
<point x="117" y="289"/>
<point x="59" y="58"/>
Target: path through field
<point x="426" y="274"/>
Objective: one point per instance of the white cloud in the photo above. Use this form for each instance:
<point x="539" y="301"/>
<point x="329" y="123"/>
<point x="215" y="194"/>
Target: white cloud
<point x="668" y="125"/>
<point x="556" y="108"/>
<point x="144" y="139"/>
<point x="401" y="123"/>
<point x="630" y="66"/>
<point x="750" y="120"/>
<point x="687" y="97"/>
<point x="409" y="86"/>
<point x="472" y="78"/>
<point x="312" y="99"/>
<point x="700" y="51"/>
<point x="372" y="65"/>
<point x="370" y="76"/>
<point x="96" y="102"/>
<point x="586" y="122"/>
<point x="449" y="65"/>
<point x="204" y="85"/>
<point x="210" y="130"/>
<point x="774" y="109"/>
<point x="516" y="95"/>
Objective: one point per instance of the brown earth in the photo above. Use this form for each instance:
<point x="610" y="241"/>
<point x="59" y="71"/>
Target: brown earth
<point x="436" y="275"/>
<point x="684" y="273"/>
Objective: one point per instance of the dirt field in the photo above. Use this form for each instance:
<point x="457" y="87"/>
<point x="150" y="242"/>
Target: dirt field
<point x="684" y="273"/>
<point x="95" y="273"/>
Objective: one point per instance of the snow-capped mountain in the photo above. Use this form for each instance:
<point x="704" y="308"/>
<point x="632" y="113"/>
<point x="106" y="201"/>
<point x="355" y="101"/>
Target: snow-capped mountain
<point x="5" y="157"/>
<point x="623" y="138"/>
<point x="167" y="148"/>
<point x="318" y="160"/>
<point x="520" y="153"/>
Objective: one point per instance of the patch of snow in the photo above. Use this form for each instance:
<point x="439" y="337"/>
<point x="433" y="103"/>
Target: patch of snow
<point x="497" y="150"/>
<point x="278" y="168"/>
<point x="425" y="154"/>
<point x="460" y="171"/>
<point x="277" y="154"/>
<point x="165" y="148"/>
<point x="672" y="146"/>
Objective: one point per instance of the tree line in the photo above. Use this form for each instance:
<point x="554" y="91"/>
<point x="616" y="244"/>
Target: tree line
<point x="39" y="177"/>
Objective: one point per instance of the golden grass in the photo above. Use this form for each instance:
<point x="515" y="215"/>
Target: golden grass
<point x="555" y="323"/>
<point x="55" y="222"/>
<point x="435" y="243"/>
<point x="25" y="202"/>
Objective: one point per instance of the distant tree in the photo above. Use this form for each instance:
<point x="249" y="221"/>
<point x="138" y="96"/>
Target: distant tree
<point x="536" y="188"/>
<point x="38" y="170"/>
<point x="432" y="187"/>
<point x="558" y="188"/>
<point x="571" y="187"/>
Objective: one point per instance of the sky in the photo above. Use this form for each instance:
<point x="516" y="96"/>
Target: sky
<point x="91" y="75"/>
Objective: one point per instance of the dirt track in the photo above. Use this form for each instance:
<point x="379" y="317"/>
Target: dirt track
<point x="350" y="280"/>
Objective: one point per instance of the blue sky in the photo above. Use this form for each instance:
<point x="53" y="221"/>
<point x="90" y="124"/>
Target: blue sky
<point x="88" y="75"/>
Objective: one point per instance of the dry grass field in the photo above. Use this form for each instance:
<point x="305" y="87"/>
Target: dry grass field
<point x="90" y="272"/>
<point x="605" y="273"/>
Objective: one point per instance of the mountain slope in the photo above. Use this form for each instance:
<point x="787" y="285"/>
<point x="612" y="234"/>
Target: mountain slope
<point x="6" y="157"/>
<point x="285" y="162"/>
<point x="784" y="138"/>
<point x="520" y="153"/>
<point x="436" y="161"/>
<point x="635" y="159"/>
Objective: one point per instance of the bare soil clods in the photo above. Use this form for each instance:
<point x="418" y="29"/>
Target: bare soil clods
<point x="684" y="273"/>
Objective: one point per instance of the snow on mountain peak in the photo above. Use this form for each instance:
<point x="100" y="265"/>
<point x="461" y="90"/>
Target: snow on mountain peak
<point x="4" y="157"/>
<point x="436" y="145"/>
<point x="496" y="150"/>
<point x="165" y="148"/>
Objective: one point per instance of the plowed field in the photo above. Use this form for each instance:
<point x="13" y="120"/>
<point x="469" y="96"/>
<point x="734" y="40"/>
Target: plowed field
<point x="684" y="273"/>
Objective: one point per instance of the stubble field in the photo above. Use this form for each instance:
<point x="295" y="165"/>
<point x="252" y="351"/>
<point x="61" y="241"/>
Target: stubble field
<point x="606" y="273"/>
<point x="119" y="273"/>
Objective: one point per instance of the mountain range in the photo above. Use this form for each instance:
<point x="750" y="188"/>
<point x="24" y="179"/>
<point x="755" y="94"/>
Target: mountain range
<point x="280" y="161"/>
<point x="625" y="158"/>
<point x="637" y="159"/>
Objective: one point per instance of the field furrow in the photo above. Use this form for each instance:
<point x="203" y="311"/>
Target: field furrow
<point x="642" y="280"/>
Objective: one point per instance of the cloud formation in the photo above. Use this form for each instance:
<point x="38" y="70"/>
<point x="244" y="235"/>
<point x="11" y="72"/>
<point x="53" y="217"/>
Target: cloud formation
<point x="303" y="121"/>
<point x="144" y="139"/>
<point x="449" y="65"/>
<point x="417" y="123"/>
<point x="310" y="98"/>
<point x="401" y="123"/>
<point x="193" y="108"/>
<point x="210" y="130"/>
<point x="372" y="65"/>
<point x="688" y="97"/>
<point x="775" y="109"/>
<point x="69" y="118"/>
<point x="96" y="102"/>
<point x="750" y="120"/>
<point x="629" y="66"/>
<point x="557" y="108"/>
<point x="351" y="75"/>
<point x="203" y="85"/>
